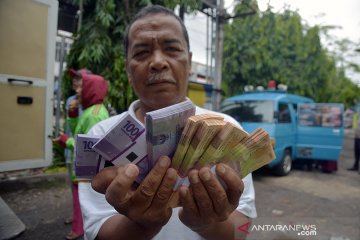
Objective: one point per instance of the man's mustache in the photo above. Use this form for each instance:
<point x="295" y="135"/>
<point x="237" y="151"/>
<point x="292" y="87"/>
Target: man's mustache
<point x="159" y="78"/>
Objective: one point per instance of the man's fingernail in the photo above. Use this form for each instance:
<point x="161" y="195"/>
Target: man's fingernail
<point x="131" y="171"/>
<point x="205" y="175"/>
<point x="194" y="178"/>
<point x="183" y="191"/>
<point x="171" y="173"/>
<point x="164" y="162"/>
<point x="221" y="168"/>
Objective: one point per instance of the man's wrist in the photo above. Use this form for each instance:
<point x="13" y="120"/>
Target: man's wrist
<point x="149" y="232"/>
<point x="201" y="230"/>
<point x="121" y="227"/>
<point x="217" y="230"/>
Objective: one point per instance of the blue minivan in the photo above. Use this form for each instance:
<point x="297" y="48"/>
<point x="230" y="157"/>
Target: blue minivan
<point x="301" y="128"/>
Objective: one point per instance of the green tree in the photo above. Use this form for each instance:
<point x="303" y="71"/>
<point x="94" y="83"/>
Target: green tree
<point x="279" y="46"/>
<point x="98" y="45"/>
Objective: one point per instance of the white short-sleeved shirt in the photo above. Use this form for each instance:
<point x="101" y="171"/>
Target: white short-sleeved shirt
<point x="96" y="210"/>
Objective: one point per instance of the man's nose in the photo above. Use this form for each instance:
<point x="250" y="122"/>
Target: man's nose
<point x="158" y="61"/>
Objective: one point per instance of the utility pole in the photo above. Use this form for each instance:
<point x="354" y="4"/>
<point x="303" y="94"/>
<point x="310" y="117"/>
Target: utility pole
<point x="80" y="15"/>
<point x="219" y="42"/>
<point x="58" y="93"/>
<point x="221" y="18"/>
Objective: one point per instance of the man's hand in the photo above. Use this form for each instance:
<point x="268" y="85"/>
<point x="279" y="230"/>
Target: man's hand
<point x="74" y="104"/>
<point x="73" y="110"/>
<point x="56" y="139"/>
<point x="61" y="139"/>
<point x="207" y="203"/>
<point x="147" y="206"/>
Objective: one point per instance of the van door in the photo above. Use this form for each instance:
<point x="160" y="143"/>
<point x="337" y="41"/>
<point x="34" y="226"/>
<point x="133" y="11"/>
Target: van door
<point x="285" y="133"/>
<point x="320" y="131"/>
<point x="27" y="50"/>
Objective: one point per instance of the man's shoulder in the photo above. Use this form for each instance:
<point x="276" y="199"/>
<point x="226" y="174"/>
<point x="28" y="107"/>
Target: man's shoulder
<point x="226" y="117"/>
<point x="72" y="97"/>
<point x="69" y="100"/>
<point x="99" y="109"/>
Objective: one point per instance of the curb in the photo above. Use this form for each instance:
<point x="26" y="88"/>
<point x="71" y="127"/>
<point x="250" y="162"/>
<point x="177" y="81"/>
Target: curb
<point x="18" y="183"/>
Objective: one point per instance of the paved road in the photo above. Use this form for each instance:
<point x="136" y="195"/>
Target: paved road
<point x="330" y="203"/>
<point x="42" y="203"/>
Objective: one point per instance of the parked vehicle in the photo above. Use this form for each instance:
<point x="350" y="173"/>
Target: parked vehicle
<point x="302" y="129"/>
<point x="27" y="47"/>
<point x="349" y="115"/>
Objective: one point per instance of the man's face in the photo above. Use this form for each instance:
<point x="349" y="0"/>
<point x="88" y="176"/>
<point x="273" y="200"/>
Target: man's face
<point x="158" y="63"/>
<point x="75" y="83"/>
<point x="78" y="89"/>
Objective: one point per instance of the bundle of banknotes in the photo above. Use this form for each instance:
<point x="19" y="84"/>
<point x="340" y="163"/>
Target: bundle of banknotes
<point x="207" y="139"/>
<point x="164" y="128"/>
<point x="191" y="141"/>
<point x="128" y="142"/>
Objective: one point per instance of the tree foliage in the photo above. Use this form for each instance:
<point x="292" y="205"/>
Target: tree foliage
<point x="98" y="46"/>
<point x="279" y="46"/>
<point x="257" y="48"/>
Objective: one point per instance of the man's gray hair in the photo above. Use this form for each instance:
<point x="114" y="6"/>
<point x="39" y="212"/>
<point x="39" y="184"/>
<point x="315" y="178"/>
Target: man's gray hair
<point x="154" y="9"/>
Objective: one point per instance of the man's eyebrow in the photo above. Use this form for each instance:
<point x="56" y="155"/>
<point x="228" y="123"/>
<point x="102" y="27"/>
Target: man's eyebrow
<point x="171" y="41"/>
<point x="140" y="45"/>
<point x="143" y="45"/>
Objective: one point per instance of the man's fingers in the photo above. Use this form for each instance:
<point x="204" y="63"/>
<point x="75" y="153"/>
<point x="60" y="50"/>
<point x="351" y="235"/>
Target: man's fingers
<point x="146" y="191"/>
<point x="201" y="196"/>
<point x="102" y="180"/>
<point x="235" y="185"/>
<point x="165" y="190"/>
<point x="188" y="203"/>
<point x="215" y="191"/>
<point x="118" y="192"/>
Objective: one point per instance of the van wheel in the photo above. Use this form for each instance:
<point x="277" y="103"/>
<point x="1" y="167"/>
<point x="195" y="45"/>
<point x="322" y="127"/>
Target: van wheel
<point x="284" y="168"/>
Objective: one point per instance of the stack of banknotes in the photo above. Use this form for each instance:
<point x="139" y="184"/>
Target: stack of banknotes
<point x="128" y="142"/>
<point x="164" y="128"/>
<point x="207" y="139"/>
<point x="191" y="141"/>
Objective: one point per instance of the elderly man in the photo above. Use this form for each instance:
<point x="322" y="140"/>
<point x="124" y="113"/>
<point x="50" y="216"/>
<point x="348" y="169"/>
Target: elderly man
<point x="158" y="64"/>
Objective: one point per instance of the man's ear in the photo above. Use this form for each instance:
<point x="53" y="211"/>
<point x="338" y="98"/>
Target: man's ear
<point x="127" y="73"/>
<point x="190" y="59"/>
<point x="190" y="62"/>
<point x="129" y="79"/>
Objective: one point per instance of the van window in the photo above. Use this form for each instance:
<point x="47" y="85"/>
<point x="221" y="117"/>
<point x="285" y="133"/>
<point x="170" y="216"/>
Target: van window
<point x="320" y="115"/>
<point x="284" y="113"/>
<point x="251" y="111"/>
